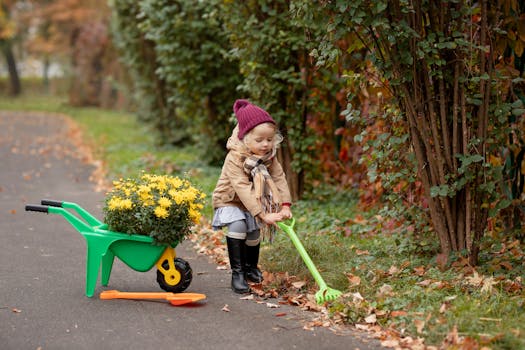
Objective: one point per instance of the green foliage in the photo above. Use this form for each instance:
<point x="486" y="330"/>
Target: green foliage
<point x="430" y="65"/>
<point x="272" y="40"/>
<point x="190" y="45"/>
<point x="138" y="54"/>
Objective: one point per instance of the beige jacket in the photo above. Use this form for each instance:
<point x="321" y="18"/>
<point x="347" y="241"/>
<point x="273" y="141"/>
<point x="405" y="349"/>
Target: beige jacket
<point x="235" y="187"/>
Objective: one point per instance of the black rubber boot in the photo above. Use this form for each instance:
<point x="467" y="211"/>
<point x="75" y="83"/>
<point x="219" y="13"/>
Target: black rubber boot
<point x="252" y="272"/>
<point x="236" y="253"/>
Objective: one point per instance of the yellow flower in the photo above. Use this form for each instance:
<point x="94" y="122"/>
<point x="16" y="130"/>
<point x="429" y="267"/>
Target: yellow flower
<point x="113" y="203"/>
<point x="126" y="204"/>
<point x="161" y="185"/>
<point x="144" y="193"/>
<point x="177" y="196"/>
<point x="175" y="182"/>
<point x="164" y="202"/>
<point x="161" y="212"/>
<point x="117" y="203"/>
<point x="194" y="215"/>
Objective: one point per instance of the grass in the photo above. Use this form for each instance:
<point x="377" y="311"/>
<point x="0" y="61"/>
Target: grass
<point x="396" y="275"/>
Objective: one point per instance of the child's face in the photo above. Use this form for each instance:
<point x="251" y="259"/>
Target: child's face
<point x="260" y="140"/>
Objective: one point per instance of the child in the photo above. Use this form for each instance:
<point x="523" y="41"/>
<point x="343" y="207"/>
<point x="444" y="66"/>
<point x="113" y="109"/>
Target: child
<point x="252" y="193"/>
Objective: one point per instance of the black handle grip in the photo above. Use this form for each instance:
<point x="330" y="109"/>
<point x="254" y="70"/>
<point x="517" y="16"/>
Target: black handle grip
<point x="51" y="203"/>
<point x="36" y="207"/>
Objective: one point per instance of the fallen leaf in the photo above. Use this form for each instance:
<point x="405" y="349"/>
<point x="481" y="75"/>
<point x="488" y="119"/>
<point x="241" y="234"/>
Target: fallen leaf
<point x="391" y="343"/>
<point x="15" y="310"/>
<point x="424" y="283"/>
<point x="380" y="313"/>
<point x="363" y="327"/>
<point x="385" y="290"/>
<point x="353" y="279"/>
<point x="357" y="297"/>
<point x="475" y="280"/>
<point x="280" y="314"/>
<point x="225" y="308"/>
<point x="13" y="211"/>
<point x="506" y="265"/>
<point x="299" y="284"/>
<point x="248" y="297"/>
<point x="371" y="318"/>
<point x="397" y="313"/>
<point x="420" y="270"/>
<point x="443" y="308"/>
<point x="393" y="270"/>
<point x="272" y="305"/>
<point x="362" y="252"/>
<point x="420" y="324"/>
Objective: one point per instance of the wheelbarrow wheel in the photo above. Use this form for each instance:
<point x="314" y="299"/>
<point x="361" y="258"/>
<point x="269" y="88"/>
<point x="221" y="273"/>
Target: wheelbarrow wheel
<point x="183" y="267"/>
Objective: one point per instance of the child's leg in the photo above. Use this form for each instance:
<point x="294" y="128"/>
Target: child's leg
<point x="235" y="239"/>
<point x="253" y="245"/>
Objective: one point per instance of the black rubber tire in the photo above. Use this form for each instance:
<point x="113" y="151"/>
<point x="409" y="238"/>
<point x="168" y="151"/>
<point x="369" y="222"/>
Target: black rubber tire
<point x="186" y="275"/>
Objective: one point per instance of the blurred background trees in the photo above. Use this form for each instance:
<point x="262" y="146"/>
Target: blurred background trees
<point x="418" y="105"/>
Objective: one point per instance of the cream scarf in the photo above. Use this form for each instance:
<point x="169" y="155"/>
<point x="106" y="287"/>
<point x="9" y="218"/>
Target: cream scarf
<point x="266" y="191"/>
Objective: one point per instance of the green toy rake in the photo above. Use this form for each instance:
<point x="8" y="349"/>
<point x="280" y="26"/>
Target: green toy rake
<point x="325" y="293"/>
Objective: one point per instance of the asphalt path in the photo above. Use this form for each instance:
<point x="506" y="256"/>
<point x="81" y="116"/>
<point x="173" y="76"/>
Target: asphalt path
<point x="42" y="270"/>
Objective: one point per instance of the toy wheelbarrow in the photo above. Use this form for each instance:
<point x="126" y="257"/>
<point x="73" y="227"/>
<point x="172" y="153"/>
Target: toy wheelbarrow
<point x="325" y="293"/>
<point x="137" y="251"/>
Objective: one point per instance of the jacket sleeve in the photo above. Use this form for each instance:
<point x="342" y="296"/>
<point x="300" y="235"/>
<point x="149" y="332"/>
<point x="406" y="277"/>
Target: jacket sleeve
<point x="279" y="178"/>
<point x="243" y="187"/>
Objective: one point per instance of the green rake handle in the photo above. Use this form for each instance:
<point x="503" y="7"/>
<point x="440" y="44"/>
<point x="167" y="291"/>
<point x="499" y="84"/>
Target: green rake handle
<point x="300" y="248"/>
<point x="325" y="293"/>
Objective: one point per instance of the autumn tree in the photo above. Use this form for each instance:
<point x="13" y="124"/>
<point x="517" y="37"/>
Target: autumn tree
<point x="8" y="32"/>
<point x="75" y="34"/>
<point x="437" y="59"/>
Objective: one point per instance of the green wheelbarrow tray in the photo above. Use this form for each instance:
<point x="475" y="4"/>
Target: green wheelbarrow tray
<point x="325" y="293"/>
<point x="137" y="251"/>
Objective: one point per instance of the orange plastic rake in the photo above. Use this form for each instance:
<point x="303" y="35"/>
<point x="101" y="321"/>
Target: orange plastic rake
<point x="173" y="298"/>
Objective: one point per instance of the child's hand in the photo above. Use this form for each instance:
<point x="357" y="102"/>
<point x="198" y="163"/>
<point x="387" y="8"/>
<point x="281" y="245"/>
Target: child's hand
<point x="285" y="212"/>
<point x="271" y="218"/>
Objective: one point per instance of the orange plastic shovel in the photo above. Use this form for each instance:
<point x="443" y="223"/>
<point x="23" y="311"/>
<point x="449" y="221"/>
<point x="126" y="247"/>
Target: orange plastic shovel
<point x="173" y="298"/>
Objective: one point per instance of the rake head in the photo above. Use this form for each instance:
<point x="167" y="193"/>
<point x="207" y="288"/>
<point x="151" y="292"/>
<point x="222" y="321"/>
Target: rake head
<point x="327" y="294"/>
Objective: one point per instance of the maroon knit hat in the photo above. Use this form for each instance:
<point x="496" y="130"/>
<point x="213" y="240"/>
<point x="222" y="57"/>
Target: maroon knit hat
<point x="249" y="116"/>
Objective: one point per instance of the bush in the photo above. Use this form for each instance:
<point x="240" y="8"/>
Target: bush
<point x="160" y="206"/>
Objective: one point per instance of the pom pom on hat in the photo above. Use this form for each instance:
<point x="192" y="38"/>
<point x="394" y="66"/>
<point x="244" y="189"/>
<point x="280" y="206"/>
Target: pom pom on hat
<point x="249" y="116"/>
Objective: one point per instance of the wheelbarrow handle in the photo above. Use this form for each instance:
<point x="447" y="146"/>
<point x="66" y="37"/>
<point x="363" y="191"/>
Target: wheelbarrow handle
<point x="36" y="207"/>
<point x="51" y="202"/>
<point x="90" y="219"/>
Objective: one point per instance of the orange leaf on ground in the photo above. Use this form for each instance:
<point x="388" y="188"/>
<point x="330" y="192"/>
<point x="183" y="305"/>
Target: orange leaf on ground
<point x="353" y="279"/>
<point x="397" y="313"/>
<point x="420" y="270"/>
<point x="420" y="324"/>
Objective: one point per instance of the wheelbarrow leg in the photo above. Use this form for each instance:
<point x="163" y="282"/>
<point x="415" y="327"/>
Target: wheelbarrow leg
<point x="95" y="253"/>
<point x="107" y="265"/>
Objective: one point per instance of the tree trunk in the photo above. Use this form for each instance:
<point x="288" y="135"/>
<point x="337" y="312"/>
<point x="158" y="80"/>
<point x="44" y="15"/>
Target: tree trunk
<point x="15" y="87"/>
